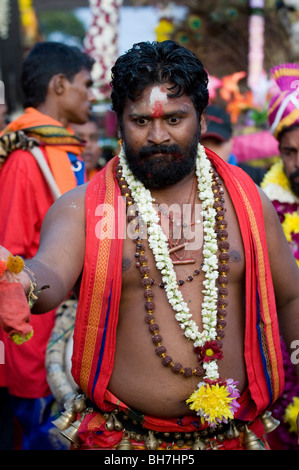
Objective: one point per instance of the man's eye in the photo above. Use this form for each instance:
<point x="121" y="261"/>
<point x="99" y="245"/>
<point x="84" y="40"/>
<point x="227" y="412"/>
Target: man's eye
<point x="141" y="121"/>
<point x="173" y="120"/>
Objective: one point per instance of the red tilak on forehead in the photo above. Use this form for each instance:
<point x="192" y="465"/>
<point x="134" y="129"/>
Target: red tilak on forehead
<point x="157" y="109"/>
<point x="157" y="99"/>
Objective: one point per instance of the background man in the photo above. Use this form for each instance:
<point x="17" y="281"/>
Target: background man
<point x="57" y="83"/>
<point x="219" y="138"/>
<point x="92" y="154"/>
<point x="281" y="184"/>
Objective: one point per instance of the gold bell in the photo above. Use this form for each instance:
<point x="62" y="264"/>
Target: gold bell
<point x="232" y="432"/>
<point x="113" y="423"/>
<point x="269" y="422"/>
<point x="71" y="433"/>
<point x="125" y="443"/>
<point x="118" y="426"/>
<point x="229" y="434"/>
<point x="251" y="441"/>
<point x="214" y="445"/>
<point x="198" y="445"/>
<point x="66" y="418"/>
<point x="151" y="442"/>
<point x="79" y="404"/>
<point x="109" y="425"/>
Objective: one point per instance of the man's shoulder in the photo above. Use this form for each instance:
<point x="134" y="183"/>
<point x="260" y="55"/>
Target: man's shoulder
<point x="19" y="160"/>
<point x="75" y="195"/>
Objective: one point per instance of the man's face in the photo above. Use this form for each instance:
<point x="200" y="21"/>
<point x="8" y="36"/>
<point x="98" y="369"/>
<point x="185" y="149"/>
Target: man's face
<point x="92" y="151"/>
<point x="289" y="151"/>
<point x="160" y="136"/>
<point x="78" y="97"/>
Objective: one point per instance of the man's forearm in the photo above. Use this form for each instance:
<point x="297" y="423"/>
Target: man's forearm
<point x="46" y="284"/>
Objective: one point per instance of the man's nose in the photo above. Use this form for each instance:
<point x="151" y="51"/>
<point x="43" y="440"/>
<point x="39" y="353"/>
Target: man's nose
<point x="158" y="132"/>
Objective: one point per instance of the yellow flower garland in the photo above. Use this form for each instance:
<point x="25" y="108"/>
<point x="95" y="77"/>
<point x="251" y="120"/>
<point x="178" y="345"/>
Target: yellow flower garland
<point x="276" y="175"/>
<point x="274" y="181"/>
<point x="290" y="224"/>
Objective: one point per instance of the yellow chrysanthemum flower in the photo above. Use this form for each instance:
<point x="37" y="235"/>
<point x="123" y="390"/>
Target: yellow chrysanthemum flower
<point x="212" y="401"/>
<point x="290" y="224"/>
<point x="291" y="414"/>
<point x="15" y="264"/>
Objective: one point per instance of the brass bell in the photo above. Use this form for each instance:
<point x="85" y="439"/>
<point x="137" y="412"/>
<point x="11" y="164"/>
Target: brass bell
<point x="214" y="445"/>
<point x="66" y="418"/>
<point x="229" y="434"/>
<point x="113" y="423"/>
<point x="118" y="426"/>
<point x="151" y="442"/>
<point x="236" y="433"/>
<point x="251" y="441"/>
<point x="109" y="425"/>
<point x="71" y="433"/>
<point x="180" y="442"/>
<point x="125" y="443"/>
<point x="79" y="404"/>
<point x="269" y="422"/>
<point x="232" y="431"/>
<point x="198" y="444"/>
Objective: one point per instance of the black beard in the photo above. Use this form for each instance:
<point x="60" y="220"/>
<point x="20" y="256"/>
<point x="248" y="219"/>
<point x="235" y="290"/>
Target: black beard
<point x="294" y="184"/>
<point x="156" y="172"/>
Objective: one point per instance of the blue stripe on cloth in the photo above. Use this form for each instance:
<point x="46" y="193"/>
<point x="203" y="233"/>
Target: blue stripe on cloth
<point x="99" y="364"/>
<point x="264" y="359"/>
<point x="78" y="167"/>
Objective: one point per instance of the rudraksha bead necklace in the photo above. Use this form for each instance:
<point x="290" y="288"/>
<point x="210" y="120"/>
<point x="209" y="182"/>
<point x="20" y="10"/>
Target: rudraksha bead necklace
<point x="148" y="282"/>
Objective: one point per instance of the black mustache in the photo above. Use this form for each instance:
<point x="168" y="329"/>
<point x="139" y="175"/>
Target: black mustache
<point x="159" y="149"/>
<point x="294" y="174"/>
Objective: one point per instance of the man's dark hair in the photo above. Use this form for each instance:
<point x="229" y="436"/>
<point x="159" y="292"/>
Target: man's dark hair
<point x="45" y="60"/>
<point x="148" y="63"/>
<point x="287" y="129"/>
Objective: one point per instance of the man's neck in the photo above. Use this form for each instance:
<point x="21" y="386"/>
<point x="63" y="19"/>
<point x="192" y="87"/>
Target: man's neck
<point x="178" y="192"/>
<point x="53" y="112"/>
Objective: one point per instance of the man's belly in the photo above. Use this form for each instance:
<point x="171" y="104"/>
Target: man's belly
<point x="140" y="379"/>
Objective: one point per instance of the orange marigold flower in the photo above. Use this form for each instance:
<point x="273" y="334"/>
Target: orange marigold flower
<point x="3" y="267"/>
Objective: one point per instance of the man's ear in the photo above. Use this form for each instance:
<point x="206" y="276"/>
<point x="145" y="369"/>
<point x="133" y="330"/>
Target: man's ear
<point x="58" y="83"/>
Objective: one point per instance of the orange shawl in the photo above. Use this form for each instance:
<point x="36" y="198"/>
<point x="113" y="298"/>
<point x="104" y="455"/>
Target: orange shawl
<point x="55" y="139"/>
